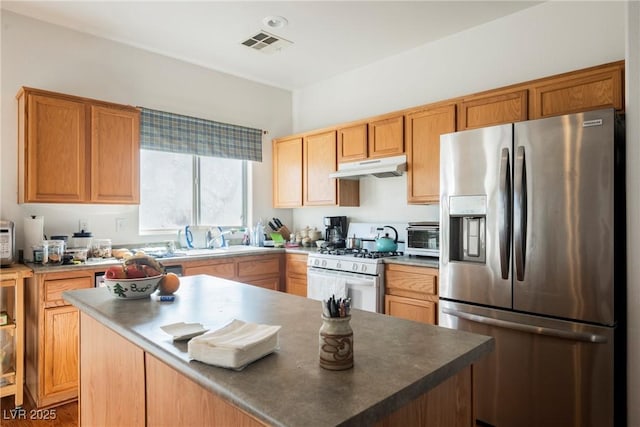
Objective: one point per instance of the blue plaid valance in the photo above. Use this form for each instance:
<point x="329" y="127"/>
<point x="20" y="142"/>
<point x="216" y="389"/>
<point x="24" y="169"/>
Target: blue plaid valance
<point x="183" y="134"/>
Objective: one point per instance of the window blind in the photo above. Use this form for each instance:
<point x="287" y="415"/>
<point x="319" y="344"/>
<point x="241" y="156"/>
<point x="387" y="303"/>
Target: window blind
<point x="176" y="133"/>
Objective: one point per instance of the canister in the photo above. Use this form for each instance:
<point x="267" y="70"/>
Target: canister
<point x="55" y="251"/>
<point x="82" y="239"/>
<point x="101" y="248"/>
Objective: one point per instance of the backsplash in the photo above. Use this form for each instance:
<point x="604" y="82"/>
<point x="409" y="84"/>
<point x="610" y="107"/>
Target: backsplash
<point x="381" y="199"/>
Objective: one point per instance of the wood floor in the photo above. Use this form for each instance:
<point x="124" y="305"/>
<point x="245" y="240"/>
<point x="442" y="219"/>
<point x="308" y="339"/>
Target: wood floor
<point x="27" y="416"/>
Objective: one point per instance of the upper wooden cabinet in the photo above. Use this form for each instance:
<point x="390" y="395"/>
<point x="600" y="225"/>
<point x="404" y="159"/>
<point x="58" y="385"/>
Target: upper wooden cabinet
<point x="380" y="137"/>
<point x="319" y="154"/>
<point x="417" y="131"/>
<point x="287" y="173"/>
<point x="114" y="147"/>
<point x="301" y="168"/>
<point x="422" y="131"/>
<point x="76" y="150"/>
<point x="352" y="143"/>
<point x="386" y="137"/>
<point x="494" y="109"/>
<point x="583" y="90"/>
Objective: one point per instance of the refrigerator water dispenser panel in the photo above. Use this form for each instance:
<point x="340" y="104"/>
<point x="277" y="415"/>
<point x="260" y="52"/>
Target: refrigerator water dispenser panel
<point x="467" y="219"/>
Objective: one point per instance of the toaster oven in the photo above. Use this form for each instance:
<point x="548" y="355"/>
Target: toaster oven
<point x="7" y="243"/>
<point x="423" y="239"/>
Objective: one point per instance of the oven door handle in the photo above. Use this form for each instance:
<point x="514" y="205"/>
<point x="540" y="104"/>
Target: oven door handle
<point x="352" y="278"/>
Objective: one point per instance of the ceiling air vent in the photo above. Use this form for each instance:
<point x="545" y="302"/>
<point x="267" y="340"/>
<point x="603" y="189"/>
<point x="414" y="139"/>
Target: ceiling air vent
<point x="267" y="43"/>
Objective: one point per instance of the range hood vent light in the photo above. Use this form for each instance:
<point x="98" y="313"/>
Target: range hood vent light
<point x="381" y="168"/>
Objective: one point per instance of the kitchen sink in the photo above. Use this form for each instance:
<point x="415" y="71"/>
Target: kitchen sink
<point x="227" y="250"/>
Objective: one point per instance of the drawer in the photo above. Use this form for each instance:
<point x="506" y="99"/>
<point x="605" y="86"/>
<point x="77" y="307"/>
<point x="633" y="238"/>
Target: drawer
<point x="53" y="289"/>
<point x="411" y="281"/>
<point x="258" y="266"/>
<point x="225" y="270"/>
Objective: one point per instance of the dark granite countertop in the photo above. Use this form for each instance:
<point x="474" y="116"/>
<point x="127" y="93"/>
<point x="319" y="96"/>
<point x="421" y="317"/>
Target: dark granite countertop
<point x="395" y="360"/>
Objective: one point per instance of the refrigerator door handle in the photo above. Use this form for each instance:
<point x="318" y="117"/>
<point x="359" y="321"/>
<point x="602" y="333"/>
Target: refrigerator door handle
<point x="539" y="330"/>
<point x="520" y="212"/>
<point x="504" y="231"/>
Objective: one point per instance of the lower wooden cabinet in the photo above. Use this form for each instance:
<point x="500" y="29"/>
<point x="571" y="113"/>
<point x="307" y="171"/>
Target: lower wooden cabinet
<point x="266" y="271"/>
<point x="411" y="292"/>
<point x="296" y="280"/>
<point x="411" y="309"/>
<point x="60" y="350"/>
<point x="51" y="331"/>
<point x="225" y="268"/>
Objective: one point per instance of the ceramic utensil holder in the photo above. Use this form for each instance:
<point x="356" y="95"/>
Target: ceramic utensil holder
<point x="336" y="343"/>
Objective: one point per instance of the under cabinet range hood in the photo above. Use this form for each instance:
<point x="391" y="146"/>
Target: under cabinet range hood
<point x="382" y="168"/>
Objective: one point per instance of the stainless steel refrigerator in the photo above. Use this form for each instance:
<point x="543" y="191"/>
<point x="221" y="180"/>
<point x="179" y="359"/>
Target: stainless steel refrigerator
<point x="532" y="232"/>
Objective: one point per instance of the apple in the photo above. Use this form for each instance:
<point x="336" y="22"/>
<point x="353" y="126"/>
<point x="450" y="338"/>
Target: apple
<point x="133" y="272"/>
<point x="115" y="272"/>
<point x="150" y="271"/>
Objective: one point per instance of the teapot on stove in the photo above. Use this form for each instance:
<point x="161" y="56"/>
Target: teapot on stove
<point x="386" y="243"/>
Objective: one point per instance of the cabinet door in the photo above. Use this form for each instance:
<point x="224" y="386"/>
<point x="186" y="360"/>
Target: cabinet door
<point x="55" y="148"/>
<point x="423" y="130"/>
<point x="490" y="110"/>
<point x="297" y="285"/>
<point x="319" y="152"/>
<point x="386" y="137"/>
<point x="352" y="143"/>
<point x="271" y="283"/>
<point x="591" y="89"/>
<point x="224" y="270"/>
<point x="410" y="309"/>
<point x="60" y="350"/>
<point x="296" y="281"/>
<point x="287" y="173"/>
<point x="115" y="155"/>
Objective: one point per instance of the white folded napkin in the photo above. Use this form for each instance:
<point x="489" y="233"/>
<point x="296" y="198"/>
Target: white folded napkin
<point x="234" y="345"/>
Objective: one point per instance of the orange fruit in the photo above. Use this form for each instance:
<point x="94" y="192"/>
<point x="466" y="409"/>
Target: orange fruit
<point x="169" y="284"/>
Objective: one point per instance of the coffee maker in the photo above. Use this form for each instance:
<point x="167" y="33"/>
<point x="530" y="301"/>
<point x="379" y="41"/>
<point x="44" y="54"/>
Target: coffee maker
<point x="335" y="231"/>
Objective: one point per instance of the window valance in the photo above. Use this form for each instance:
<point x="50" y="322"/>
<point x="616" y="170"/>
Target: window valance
<point x="176" y="133"/>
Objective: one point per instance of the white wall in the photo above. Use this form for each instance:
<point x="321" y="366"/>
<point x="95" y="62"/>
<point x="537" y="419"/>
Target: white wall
<point x="633" y="209"/>
<point x="548" y="39"/>
<point x="45" y="56"/>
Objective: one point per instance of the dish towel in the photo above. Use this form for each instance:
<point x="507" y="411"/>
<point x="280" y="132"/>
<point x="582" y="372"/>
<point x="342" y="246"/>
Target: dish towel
<point x="322" y="287"/>
<point x="234" y="345"/>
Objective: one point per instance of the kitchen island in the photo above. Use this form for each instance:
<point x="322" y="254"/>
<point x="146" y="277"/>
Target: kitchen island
<point x="132" y="373"/>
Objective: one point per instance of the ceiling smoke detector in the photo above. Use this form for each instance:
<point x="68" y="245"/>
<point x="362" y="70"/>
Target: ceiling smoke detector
<point x="266" y="42"/>
<point x="275" y="21"/>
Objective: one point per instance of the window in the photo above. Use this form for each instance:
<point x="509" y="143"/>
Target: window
<point x="181" y="189"/>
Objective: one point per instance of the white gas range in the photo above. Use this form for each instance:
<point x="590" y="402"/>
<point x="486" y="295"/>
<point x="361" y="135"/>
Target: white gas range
<point x="354" y="273"/>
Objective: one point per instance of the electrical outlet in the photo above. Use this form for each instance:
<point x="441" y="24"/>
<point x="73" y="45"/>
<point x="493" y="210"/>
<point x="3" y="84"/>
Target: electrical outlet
<point x="83" y="224"/>
<point x="121" y="223"/>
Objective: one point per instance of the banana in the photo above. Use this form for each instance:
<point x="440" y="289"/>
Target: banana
<point x="145" y="260"/>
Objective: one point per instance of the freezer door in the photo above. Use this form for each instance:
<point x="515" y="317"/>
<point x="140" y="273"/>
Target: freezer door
<point x="563" y="248"/>
<point x="475" y="180"/>
<point x="542" y="372"/>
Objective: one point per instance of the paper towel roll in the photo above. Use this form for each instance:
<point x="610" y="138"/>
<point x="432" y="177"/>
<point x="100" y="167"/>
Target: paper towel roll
<point x="33" y="235"/>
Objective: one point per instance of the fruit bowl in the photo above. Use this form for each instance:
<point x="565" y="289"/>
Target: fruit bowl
<point x="132" y="288"/>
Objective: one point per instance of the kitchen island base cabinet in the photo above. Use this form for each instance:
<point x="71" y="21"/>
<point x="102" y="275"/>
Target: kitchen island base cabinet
<point x="147" y="392"/>
<point x="112" y="387"/>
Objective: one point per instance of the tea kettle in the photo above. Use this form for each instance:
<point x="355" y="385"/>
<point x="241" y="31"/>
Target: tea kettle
<point x="386" y="243"/>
